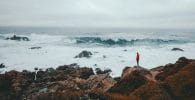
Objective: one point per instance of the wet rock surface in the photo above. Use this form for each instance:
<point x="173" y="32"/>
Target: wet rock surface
<point x="86" y="54"/>
<point x="99" y="71"/>
<point x="18" y="38"/>
<point x="2" y="65"/>
<point x="170" y="82"/>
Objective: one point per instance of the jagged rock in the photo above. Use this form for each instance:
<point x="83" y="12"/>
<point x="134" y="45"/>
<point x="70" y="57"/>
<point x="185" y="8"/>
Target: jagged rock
<point x="68" y="67"/>
<point x="117" y="79"/>
<point x="50" y="70"/>
<point x="86" y="54"/>
<point x="182" y="83"/>
<point x="177" y="49"/>
<point x="177" y="83"/>
<point x="84" y="72"/>
<point x="19" y="38"/>
<point x="36" y="68"/>
<point x="159" y="68"/>
<point x="73" y="82"/>
<point x="170" y="69"/>
<point x="99" y="71"/>
<point x="41" y="74"/>
<point x="150" y="91"/>
<point x="128" y="84"/>
<point x="131" y="79"/>
<point x="28" y="74"/>
<point x="101" y="82"/>
<point x="135" y="71"/>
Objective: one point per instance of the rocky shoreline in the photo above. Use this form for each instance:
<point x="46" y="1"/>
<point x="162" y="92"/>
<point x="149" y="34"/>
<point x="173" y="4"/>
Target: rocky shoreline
<point x="71" y="82"/>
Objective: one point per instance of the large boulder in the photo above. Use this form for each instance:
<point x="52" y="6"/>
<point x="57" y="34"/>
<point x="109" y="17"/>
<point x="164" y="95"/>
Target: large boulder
<point x="19" y="38"/>
<point x="170" y="69"/>
<point x="86" y="54"/>
<point x="131" y="79"/>
<point x="13" y="85"/>
<point x="182" y="83"/>
<point x="135" y="71"/>
<point x="150" y="91"/>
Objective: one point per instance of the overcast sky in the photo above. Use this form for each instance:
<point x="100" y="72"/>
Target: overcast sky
<point x="99" y="13"/>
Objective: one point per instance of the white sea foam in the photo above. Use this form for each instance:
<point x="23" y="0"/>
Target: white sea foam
<point x="61" y="49"/>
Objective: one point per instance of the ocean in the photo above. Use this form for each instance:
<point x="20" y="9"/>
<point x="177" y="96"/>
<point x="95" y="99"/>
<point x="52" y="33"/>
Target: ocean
<point x="111" y="49"/>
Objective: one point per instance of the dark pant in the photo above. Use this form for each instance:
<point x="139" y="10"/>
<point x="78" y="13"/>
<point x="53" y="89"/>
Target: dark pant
<point x="137" y="63"/>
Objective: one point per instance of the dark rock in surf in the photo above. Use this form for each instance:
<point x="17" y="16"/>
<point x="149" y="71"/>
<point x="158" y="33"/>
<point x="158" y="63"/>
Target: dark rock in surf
<point x="35" y="47"/>
<point x="86" y="54"/>
<point x="18" y="38"/>
<point x="177" y="49"/>
<point x="2" y="65"/>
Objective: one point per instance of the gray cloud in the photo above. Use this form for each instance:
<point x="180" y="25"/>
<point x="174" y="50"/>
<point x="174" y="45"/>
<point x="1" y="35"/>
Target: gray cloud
<point x="99" y="13"/>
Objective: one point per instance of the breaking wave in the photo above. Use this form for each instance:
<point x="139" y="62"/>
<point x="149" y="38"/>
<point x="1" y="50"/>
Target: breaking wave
<point x="125" y="42"/>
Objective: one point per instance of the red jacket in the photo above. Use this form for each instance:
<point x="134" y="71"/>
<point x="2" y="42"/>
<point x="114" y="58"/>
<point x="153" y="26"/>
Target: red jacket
<point x="137" y="57"/>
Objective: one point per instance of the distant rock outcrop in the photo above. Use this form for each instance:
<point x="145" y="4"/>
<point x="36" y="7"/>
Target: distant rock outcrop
<point x="86" y="54"/>
<point x="19" y="38"/>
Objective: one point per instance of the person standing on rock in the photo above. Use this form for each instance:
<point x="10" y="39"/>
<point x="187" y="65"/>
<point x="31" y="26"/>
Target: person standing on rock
<point x="137" y="59"/>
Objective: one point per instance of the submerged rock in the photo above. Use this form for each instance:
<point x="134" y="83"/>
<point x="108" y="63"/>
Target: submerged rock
<point x="177" y="49"/>
<point x="19" y="38"/>
<point x="86" y="54"/>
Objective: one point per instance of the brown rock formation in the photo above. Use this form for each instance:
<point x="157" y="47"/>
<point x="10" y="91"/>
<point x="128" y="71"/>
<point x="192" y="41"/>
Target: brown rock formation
<point x="169" y="82"/>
